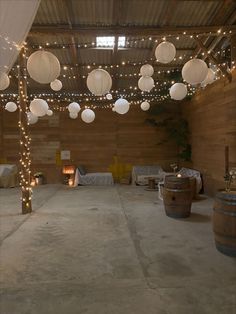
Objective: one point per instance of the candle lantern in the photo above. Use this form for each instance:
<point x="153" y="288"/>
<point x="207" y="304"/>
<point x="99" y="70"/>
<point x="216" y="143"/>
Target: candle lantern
<point x="68" y="172"/>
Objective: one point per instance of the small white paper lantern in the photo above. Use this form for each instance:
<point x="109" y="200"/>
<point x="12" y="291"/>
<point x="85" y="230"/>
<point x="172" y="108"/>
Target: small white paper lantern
<point x="32" y="119"/>
<point x="39" y="107"/>
<point x="146" y="70"/>
<point x="4" y="81"/>
<point x="178" y="91"/>
<point x="121" y="106"/>
<point x="165" y="52"/>
<point x="56" y="85"/>
<point x="145" y="106"/>
<point x="194" y="71"/>
<point x="109" y="96"/>
<point x="88" y="115"/>
<point x="74" y="107"/>
<point x="11" y="106"/>
<point x="209" y="78"/>
<point x="73" y="115"/>
<point x="49" y="113"/>
<point x="43" y="67"/>
<point x="146" y="83"/>
<point x="99" y="82"/>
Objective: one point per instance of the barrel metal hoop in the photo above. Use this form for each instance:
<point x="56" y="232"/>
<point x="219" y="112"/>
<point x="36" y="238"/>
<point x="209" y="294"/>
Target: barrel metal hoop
<point x="222" y="211"/>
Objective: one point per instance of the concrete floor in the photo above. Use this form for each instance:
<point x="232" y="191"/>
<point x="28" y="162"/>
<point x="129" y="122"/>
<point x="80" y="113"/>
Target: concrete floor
<point x="110" y="250"/>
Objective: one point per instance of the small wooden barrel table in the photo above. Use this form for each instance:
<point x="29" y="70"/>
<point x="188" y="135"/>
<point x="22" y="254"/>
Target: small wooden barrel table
<point x="177" y="196"/>
<point x="224" y="222"/>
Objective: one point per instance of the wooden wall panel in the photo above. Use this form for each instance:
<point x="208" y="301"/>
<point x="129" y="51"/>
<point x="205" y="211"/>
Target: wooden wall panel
<point x="128" y="137"/>
<point x="212" y="119"/>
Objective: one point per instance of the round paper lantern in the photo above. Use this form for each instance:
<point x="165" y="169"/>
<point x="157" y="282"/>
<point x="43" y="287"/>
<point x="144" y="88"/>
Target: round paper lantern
<point x="49" y="113"/>
<point x="43" y="67"/>
<point x="109" y="96"/>
<point x="74" y="107"/>
<point x="11" y="106"/>
<point x="88" y="115"/>
<point x="165" y="52"/>
<point x="99" y="82"/>
<point x="209" y="78"/>
<point x="194" y="71"/>
<point x="146" y="70"/>
<point x="32" y="119"/>
<point x="178" y="91"/>
<point x="73" y="115"/>
<point x="145" y="105"/>
<point x="56" y="85"/>
<point x="146" y="83"/>
<point x="121" y="106"/>
<point x="4" y="81"/>
<point x="39" y="107"/>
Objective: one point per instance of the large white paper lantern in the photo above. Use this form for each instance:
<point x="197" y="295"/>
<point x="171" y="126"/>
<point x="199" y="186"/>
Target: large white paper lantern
<point x="178" y="91"/>
<point x="99" y="82"/>
<point x="165" y="52"/>
<point x="121" y="106"/>
<point x="146" y="70"/>
<point x="32" y="119"/>
<point x="209" y="78"/>
<point x="4" y="81"/>
<point x="11" y="106"/>
<point x="146" y="83"/>
<point x="49" y="113"/>
<point x="56" y="85"/>
<point x="39" y="107"/>
<point x="194" y="71"/>
<point x="109" y="96"/>
<point x="73" y="115"/>
<point x="74" y="107"/>
<point x="88" y="115"/>
<point x="43" y="66"/>
<point x="145" y="106"/>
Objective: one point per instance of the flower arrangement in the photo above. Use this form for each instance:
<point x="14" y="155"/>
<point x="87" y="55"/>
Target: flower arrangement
<point x="229" y="178"/>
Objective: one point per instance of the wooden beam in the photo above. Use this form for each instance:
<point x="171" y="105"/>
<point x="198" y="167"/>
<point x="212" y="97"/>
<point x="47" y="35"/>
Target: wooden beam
<point x="24" y="138"/>
<point x="214" y="59"/>
<point x="127" y="30"/>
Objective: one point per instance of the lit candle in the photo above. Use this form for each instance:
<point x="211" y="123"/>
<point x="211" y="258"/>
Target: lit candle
<point x="179" y="175"/>
<point x="71" y="182"/>
<point x="226" y="159"/>
<point x="33" y="183"/>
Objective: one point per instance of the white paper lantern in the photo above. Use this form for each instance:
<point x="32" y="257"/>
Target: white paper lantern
<point x="121" y="106"/>
<point x="32" y="119"/>
<point x="49" y="113"/>
<point x="99" y="82"/>
<point x="4" y="81"/>
<point x="146" y="83"/>
<point x="109" y="96"/>
<point x="88" y="115"/>
<point x="11" y="106"/>
<point x="209" y="78"/>
<point x="194" y="71"/>
<point x="165" y="52"/>
<point x="145" y="106"/>
<point x="146" y="70"/>
<point x="56" y="85"/>
<point x="43" y="67"/>
<point x="73" y="115"/>
<point x="74" y="107"/>
<point x="178" y="91"/>
<point x="39" y="107"/>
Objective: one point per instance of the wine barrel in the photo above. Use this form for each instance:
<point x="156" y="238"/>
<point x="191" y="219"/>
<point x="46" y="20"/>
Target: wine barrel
<point x="177" y="196"/>
<point x="224" y="222"/>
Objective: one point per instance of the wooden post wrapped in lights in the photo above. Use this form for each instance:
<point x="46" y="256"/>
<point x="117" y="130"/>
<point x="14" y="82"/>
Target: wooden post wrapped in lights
<point x="25" y="139"/>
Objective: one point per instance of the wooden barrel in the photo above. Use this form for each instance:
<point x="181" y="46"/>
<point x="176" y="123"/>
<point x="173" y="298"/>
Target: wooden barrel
<point x="177" y="196"/>
<point x="224" y="222"/>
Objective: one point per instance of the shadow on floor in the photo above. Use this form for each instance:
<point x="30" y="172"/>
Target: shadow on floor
<point x="195" y="217"/>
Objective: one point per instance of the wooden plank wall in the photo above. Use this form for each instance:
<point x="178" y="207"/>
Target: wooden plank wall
<point x="212" y="120"/>
<point x="94" y="145"/>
